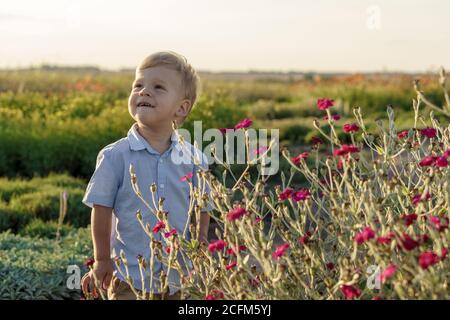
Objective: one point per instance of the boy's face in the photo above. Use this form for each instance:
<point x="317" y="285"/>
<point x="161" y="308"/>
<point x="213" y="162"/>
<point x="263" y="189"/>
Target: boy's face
<point x="157" y="97"/>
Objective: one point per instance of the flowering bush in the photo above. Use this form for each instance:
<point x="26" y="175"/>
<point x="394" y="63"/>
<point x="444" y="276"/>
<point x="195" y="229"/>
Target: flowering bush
<point x="372" y="223"/>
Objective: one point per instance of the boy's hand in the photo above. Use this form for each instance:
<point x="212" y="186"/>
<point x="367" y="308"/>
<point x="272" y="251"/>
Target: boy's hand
<point x="103" y="270"/>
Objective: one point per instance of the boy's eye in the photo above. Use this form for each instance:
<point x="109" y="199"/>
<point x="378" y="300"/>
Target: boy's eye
<point x="137" y="85"/>
<point x="159" y="87"/>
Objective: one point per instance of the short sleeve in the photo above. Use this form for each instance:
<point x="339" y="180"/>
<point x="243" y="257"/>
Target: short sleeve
<point x="104" y="183"/>
<point x="203" y="166"/>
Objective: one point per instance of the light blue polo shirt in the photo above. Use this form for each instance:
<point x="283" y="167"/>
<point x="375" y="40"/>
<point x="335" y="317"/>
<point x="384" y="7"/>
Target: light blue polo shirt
<point x="110" y="186"/>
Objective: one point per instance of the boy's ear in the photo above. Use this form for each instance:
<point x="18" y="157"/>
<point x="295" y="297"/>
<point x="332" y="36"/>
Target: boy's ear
<point x="184" y="109"/>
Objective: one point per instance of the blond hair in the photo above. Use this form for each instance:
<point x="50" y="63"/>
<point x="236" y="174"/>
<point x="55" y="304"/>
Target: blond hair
<point x="189" y="78"/>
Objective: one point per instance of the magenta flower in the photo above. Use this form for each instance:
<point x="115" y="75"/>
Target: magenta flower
<point x="386" y="239"/>
<point x="427" y="259"/>
<point x="441" y="162"/>
<point x="280" y="250"/>
<point x="296" y="160"/>
<point x="301" y="195"/>
<point x="305" y="238"/>
<point x="418" y="198"/>
<point x="89" y="262"/>
<point x="170" y="233"/>
<point x="402" y="134"/>
<point x="409" y="219"/>
<point x="429" y="132"/>
<point x="232" y="252"/>
<point x="223" y="131"/>
<point x="236" y="213"/>
<point x="216" y="245"/>
<point x="408" y="243"/>
<point x="345" y="149"/>
<point x="316" y="140"/>
<point x="334" y="117"/>
<point x="428" y="161"/>
<point x="187" y="177"/>
<point x="260" y="150"/>
<point x="158" y="226"/>
<point x="350" y="292"/>
<point x="324" y="103"/>
<point x="243" y="124"/>
<point x="286" y="194"/>
<point x="365" y="235"/>
<point x="388" y="273"/>
<point x="349" y="128"/>
<point x="231" y="265"/>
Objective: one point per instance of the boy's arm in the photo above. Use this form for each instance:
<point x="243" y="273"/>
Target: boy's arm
<point x="204" y="226"/>
<point x="101" y="219"/>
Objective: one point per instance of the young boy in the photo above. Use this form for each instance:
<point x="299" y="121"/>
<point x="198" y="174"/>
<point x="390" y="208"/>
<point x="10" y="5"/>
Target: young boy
<point x="165" y="89"/>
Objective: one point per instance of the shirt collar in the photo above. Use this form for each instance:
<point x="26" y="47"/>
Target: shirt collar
<point x="137" y="142"/>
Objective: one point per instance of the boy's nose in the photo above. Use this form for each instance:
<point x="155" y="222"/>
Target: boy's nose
<point x="144" y="92"/>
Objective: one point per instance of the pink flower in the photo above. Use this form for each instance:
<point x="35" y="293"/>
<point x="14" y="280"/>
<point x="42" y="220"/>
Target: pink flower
<point x="187" y="177"/>
<point x="386" y="239"/>
<point x="296" y="160"/>
<point x="324" y="103"/>
<point x="216" y="245"/>
<point x="170" y="233"/>
<point x="427" y="259"/>
<point x="330" y="266"/>
<point x="439" y="224"/>
<point x="258" y="220"/>
<point x="427" y="161"/>
<point x="236" y="213"/>
<point x="305" y="238"/>
<point x="441" y="162"/>
<point x="364" y="235"/>
<point x="429" y="132"/>
<point x="89" y="262"/>
<point x="243" y="124"/>
<point x="301" y="195"/>
<point x="232" y="252"/>
<point x="377" y="298"/>
<point x="409" y="219"/>
<point x="168" y="250"/>
<point x="223" y="131"/>
<point x="231" y="265"/>
<point x="260" y="150"/>
<point x="350" y="292"/>
<point x="158" y="226"/>
<point x="280" y="250"/>
<point x="444" y="252"/>
<point x="317" y="140"/>
<point x="446" y="154"/>
<point x="418" y="198"/>
<point x="402" y="134"/>
<point x="408" y="243"/>
<point x="334" y="117"/>
<point x="348" y="128"/>
<point x="345" y="149"/>
<point x="388" y="273"/>
<point x="215" y="295"/>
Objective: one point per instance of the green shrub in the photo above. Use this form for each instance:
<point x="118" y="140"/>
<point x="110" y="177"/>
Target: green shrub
<point x="33" y="268"/>
<point x="44" y="229"/>
<point x="13" y="220"/>
<point x="44" y="204"/>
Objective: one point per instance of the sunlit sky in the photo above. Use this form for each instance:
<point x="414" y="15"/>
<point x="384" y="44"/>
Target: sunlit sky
<point x="232" y="35"/>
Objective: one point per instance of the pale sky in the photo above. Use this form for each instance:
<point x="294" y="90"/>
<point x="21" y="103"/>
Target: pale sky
<point x="282" y="35"/>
